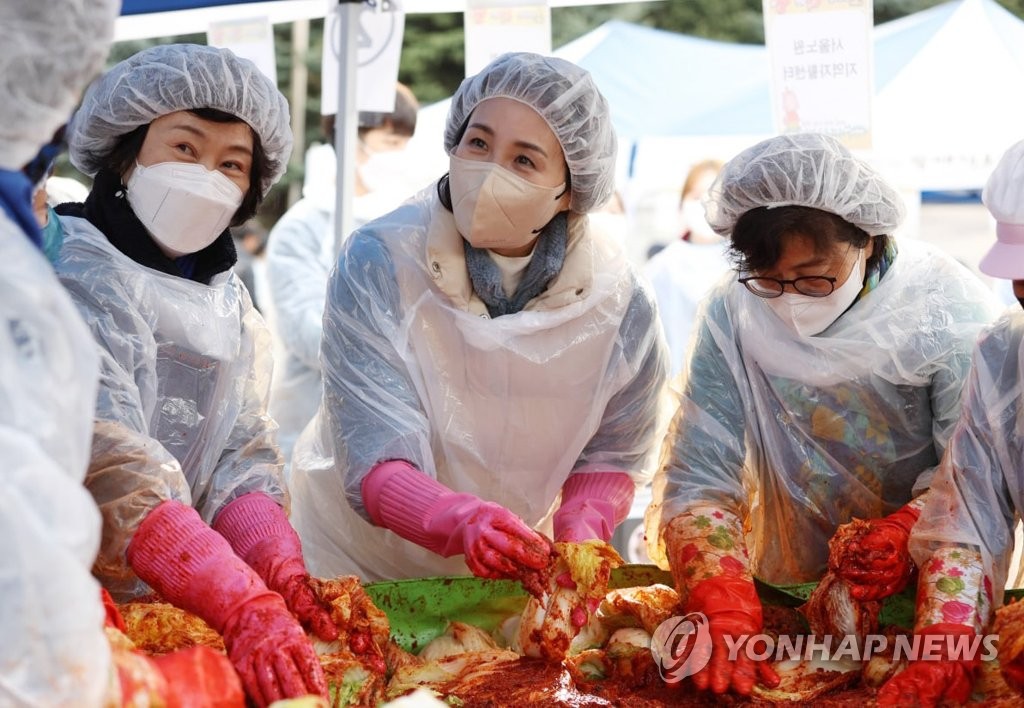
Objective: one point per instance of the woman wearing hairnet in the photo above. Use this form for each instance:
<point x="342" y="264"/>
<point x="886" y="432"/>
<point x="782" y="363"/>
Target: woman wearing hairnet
<point x="484" y="353"/>
<point x="963" y="540"/>
<point x="53" y="650"/>
<point x="184" y="140"/>
<point x="821" y="386"/>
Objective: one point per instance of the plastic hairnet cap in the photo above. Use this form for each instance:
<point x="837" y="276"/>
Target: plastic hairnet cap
<point x="1003" y="195"/>
<point x="810" y="170"/>
<point x="565" y="96"/>
<point x="179" y="77"/>
<point x="50" y="50"/>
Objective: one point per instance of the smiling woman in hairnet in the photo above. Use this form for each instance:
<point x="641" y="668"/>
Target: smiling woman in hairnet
<point x="487" y="359"/>
<point x="184" y="140"/>
<point x="822" y="385"/>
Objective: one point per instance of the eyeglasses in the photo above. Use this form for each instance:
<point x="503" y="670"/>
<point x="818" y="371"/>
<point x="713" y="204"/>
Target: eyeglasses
<point x="809" y="285"/>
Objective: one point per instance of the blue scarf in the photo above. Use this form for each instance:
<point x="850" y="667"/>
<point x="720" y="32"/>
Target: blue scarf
<point x="546" y="262"/>
<point x="16" y="201"/>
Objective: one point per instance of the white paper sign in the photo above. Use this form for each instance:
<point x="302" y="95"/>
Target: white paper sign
<point x="494" y="27"/>
<point x="822" y="71"/>
<point x="378" y="52"/>
<point x="251" y="39"/>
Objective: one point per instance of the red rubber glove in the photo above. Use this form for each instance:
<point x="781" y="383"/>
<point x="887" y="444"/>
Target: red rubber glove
<point x="194" y="568"/>
<point x="1013" y="673"/>
<point x="925" y="682"/>
<point x="259" y="533"/>
<point x="496" y="542"/>
<point x="733" y="609"/>
<point x="878" y="564"/>
<point x="593" y="504"/>
<point x="200" y="677"/>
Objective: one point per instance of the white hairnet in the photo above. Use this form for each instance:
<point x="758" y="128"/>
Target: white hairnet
<point x="179" y="77"/>
<point x="810" y="170"/>
<point x="51" y="49"/>
<point x="567" y="98"/>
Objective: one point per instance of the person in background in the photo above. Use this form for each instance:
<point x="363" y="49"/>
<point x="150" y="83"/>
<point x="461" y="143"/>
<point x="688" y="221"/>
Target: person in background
<point x="685" y="270"/>
<point x="182" y="141"/>
<point x="54" y="651"/>
<point x="964" y="537"/>
<point x="822" y="384"/>
<point x="251" y="245"/>
<point x="301" y="254"/>
<point x="491" y="365"/>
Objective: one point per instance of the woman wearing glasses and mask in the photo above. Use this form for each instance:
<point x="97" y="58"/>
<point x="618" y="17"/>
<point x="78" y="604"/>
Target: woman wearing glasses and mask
<point x="822" y="384"/>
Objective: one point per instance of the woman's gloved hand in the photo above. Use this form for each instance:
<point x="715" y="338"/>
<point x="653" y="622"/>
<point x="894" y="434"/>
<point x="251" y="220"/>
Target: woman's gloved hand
<point x="877" y="563"/>
<point x="193" y="567"/>
<point x="928" y="683"/>
<point x="708" y="559"/>
<point x="260" y="534"/>
<point x="594" y="501"/>
<point x="496" y="542"/>
<point x="733" y="610"/>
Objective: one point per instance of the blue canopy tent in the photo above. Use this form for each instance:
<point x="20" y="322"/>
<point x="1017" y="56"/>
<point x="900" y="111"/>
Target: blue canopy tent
<point x="946" y="103"/>
<point x="142" y="7"/>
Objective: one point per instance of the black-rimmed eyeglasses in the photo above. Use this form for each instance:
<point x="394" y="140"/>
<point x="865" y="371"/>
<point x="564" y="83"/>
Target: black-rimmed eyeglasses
<point x="809" y="285"/>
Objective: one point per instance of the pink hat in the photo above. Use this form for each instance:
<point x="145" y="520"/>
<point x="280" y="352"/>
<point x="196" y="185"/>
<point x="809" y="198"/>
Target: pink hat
<point x="1004" y="197"/>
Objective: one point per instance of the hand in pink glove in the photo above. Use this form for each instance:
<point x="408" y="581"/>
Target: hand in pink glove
<point x="259" y="533"/>
<point x="594" y="501"/>
<point x="496" y="542"/>
<point x="194" y="568"/>
<point x="877" y="564"/>
<point x="929" y="683"/>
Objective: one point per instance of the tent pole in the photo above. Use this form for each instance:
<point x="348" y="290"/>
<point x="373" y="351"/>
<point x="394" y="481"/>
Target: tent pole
<point x="300" y="89"/>
<point x="346" y="120"/>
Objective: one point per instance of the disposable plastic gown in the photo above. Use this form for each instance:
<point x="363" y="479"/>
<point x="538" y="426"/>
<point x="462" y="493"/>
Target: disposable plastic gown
<point x="300" y="256"/>
<point x="797" y="435"/>
<point x="977" y="494"/>
<point x="184" y="381"/>
<point x="53" y="650"/>
<point x="504" y="409"/>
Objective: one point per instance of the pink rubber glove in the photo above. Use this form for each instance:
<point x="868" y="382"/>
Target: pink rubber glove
<point x="594" y="501"/>
<point x="496" y="542"/>
<point x="878" y="564"/>
<point x="259" y="533"/>
<point x="194" y="568"/>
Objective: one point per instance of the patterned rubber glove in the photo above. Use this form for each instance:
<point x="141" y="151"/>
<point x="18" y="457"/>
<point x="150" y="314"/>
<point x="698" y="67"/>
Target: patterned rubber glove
<point x="259" y="532"/>
<point x="594" y="501"/>
<point x="496" y="542"/>
<point x="954" y="599"/>
<point x="878" y="564"/>
<point x="193" y="567"/>
<point x="709" y="563"/>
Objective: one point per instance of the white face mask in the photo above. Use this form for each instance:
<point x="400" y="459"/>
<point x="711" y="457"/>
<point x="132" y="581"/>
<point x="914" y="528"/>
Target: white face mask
<point x="495" y="208"/>
<point x="384" y="169"/>
<point x="694" y="221"/>
<point x="808" y="316"/>
<point x="184" y="206"/>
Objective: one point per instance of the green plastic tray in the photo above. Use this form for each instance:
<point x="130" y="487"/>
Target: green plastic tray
<point x="420" y="609"/>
